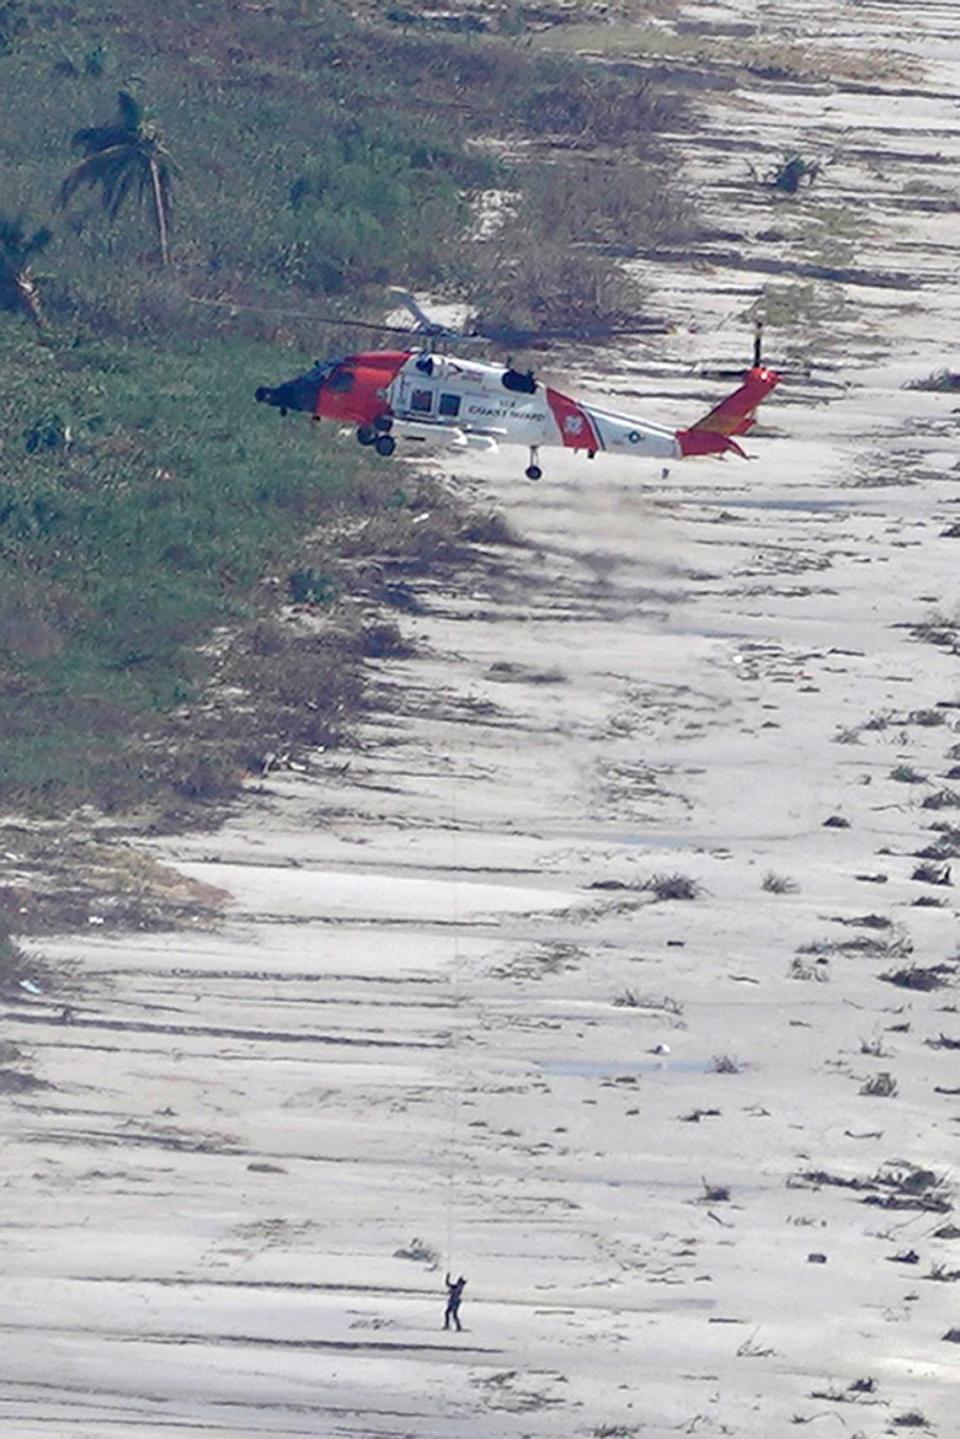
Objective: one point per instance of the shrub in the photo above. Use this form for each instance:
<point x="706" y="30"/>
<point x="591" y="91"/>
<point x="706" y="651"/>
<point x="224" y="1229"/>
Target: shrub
<point x="630" y="206"/>
<point x="531" y="282"/>
<point x="673" y="886"/>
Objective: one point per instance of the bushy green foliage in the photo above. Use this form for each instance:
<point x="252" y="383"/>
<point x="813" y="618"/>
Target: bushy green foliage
<point x="120" y="546"/>
<point x="307" y="167"/>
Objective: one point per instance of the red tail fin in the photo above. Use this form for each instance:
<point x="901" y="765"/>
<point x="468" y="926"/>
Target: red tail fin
<point x="733" y="416"/>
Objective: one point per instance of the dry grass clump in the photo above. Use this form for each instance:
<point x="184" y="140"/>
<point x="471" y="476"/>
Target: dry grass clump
<point x="933" y="874"/>
<point x="906" y="774"/>
<point x="940" y="381"/>
<point x="660" y="1003"/>
<point x="816" y="973"/>
<point x="778" y="884"/>
<point x="942" y="799"/>
<point x="946" y="846"/>
<point x="672" y="886"/>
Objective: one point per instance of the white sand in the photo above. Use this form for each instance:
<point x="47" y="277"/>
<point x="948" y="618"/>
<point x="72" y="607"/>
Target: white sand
<point x="408" y="1026"/>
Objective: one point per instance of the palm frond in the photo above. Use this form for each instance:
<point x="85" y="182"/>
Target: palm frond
<point x="120" y="189"/>
<point x="97" y="169"/>
<point x="131" y="111"/>
<point x="95" y="138"/>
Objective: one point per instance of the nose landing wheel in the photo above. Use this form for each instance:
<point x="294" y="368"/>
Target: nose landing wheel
<point x="385" y="445"/>
<point x="366" y="435"/>
<point x="533" y="470"/>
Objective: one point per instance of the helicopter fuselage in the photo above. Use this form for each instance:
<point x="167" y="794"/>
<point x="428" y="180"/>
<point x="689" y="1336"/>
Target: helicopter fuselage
<point x="448" y="401"/>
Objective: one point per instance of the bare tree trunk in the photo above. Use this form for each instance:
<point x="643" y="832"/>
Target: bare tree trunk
<point x="28" y="294"/>
<point x="160" y="212"/>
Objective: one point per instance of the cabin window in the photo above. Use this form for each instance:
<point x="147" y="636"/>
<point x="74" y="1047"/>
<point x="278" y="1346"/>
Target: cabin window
<point x="449" y="405"/>
<point x="422" y="401"/>
<point x="341" y="381"/>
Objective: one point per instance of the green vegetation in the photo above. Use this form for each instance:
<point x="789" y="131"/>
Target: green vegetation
<point x="164" y="623"/>
<point x="548" y="265"/>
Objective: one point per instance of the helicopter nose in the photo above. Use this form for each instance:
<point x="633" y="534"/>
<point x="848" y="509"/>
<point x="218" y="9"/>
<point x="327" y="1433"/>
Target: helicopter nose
<point x="298" y="394"/>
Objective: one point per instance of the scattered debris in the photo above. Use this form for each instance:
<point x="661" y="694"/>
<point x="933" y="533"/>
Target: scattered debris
<point x="915" y="976"/>
<point x="881" y="1086"/>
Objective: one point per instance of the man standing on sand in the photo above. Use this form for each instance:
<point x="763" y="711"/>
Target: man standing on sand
<point x="454" y="1295"/>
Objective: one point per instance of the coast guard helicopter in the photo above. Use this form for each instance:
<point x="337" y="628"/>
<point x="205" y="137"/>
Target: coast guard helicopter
<point x="424" y="399"/>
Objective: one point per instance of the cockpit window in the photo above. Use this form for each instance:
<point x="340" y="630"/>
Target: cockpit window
<point x="341" y="381"/>
<point x="422" y="400"/>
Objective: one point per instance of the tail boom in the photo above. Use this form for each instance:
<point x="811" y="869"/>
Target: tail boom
<point x="733" y="416"/>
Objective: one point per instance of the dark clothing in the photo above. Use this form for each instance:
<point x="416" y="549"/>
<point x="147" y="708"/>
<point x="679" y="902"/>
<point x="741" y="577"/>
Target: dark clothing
<point x="454" y="1295"/>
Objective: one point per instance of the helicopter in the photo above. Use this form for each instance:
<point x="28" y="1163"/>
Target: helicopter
<point x="421" y="398"/>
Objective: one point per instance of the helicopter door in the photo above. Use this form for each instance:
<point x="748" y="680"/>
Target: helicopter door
<point x="416" y="398"/>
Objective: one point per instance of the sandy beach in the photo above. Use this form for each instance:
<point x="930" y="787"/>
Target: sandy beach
<point x="696" y="1156"/>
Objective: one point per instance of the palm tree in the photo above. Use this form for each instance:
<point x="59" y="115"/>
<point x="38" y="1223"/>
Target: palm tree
<point x="19" y="291"/>
<point x="118" y="157"/>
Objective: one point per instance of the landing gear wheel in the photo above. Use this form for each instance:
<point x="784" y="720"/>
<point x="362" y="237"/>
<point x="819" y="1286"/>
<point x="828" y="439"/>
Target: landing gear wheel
<point x="533" y="472"/>
<point x="366" y="435"/>
<point x="383" y="423"/>
<point x="385" y="445"/>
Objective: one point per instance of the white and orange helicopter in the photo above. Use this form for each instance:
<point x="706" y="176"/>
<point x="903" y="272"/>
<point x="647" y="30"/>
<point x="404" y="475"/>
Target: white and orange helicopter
<point x="426" y="399"/>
